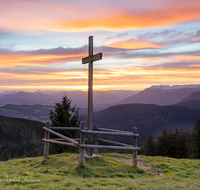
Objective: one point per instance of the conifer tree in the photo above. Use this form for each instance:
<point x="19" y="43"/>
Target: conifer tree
<point x="64" y="116"/>
<point x="149" y="147"/>
<point x="195" y="140"/>
<point x="163" y="143"/>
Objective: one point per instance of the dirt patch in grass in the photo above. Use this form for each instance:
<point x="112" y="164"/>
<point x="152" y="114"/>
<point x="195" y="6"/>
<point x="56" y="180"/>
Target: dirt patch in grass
<point x="146" y="166"/>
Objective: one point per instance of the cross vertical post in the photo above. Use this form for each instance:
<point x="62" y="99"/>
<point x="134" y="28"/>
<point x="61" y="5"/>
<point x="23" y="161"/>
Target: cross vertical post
<point x="90" y="60"/>
<point x="90" y="93"/>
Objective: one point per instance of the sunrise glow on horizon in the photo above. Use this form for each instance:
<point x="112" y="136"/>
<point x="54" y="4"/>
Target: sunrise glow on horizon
<point x="42" y="44"/>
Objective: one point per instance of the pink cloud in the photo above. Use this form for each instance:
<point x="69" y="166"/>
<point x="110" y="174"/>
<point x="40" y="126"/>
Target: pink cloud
<point x="86" y="15"/>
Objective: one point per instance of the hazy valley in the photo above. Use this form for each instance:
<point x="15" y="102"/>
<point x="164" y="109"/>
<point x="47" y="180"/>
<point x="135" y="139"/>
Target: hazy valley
<point x="111" y="109"/>
<point x="50" y="97"/>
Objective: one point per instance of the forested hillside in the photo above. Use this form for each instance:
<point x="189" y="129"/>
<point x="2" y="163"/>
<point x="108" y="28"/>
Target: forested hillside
<point x="150" y="119"/>
<point x="193" y="104"/>
<point x="20" y="138"/>
<point x="176" y="144"/>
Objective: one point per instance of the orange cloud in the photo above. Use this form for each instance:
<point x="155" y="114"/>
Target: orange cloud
<point x="28" y="59"/>
<point x="124" y="78"/>
<point x="134" y="44"/>
<point x="152" y="60"/>
<point x="86" y="15"/>
<point x="167" y="14"/>
<point x="186" y="57"/>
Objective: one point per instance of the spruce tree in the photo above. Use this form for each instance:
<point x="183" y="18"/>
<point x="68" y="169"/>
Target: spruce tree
<point x="163" y="143"/>
<point x="64" y="116"/>
<point x="149" y="147"/>
<point x="195" y="140"/>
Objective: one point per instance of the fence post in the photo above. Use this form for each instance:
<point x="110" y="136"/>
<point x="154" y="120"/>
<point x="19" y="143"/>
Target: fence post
<point x="134" y="130"/>
<point x="46" y="144"/>
<point x="82" y="150"/>
<point x="95" y="140"/>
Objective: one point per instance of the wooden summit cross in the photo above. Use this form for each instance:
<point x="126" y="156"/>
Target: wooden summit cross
<point x="90" y="60"/>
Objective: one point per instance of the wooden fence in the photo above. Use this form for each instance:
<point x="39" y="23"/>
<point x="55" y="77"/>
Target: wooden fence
<point x="95" y="132"/>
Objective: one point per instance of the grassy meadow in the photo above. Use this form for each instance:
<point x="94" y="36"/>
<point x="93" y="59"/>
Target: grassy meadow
<point x="104" y="172"/>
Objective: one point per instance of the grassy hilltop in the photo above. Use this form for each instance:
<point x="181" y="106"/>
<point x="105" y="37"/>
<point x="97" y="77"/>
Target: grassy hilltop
<point x="106" y="172"/>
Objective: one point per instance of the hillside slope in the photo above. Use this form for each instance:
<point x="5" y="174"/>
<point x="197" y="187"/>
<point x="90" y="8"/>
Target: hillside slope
<point x="192" y="96"/>
<point x="150" y="119"/>
<point x="193" y="104"/>
<point x="20" y="137"/>
<point x="103" y="172"/>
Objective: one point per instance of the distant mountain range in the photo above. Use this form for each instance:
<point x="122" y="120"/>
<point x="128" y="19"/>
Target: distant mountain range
<point x="163" y="94"/>
<point x="159" y="95"/>
<point x="28" y="98"/>
<point x="102" y="99"/>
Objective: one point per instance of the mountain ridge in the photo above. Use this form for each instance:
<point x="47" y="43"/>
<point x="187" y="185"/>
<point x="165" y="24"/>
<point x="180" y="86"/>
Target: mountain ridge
<point x="192" y="96"/>
<point x="150" y="119"/>
<point x="79" y="98"/>
<point x="193" y="104"/>
<point x="162" y="94"/>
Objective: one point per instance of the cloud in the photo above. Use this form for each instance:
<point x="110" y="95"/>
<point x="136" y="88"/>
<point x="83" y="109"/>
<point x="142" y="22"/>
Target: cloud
<point x="118" y="36"/>
<point x="138" y="77"/>
<point x="136" y="66"/>
<point x="86" y="15"/>
<point x="40" y="57"/>
<point x="177" y="66"/>
<point x="118" y="50"/>
<point x="51" y="56"/>
<point x="198" y="33"/>
<point x="134" y="44"/>
<point x="171" y="38"/>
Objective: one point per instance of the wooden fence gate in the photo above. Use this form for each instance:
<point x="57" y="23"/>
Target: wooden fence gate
<point x="95" y="132"/>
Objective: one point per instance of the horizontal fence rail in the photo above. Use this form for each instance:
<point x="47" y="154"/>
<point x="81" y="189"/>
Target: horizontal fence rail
<point x="109" y="133"/>
<point x="61" y="136"/>
<point x="58" y="142"/>
<point x="112" y="130"/>
<point x="114" y="142"/>
<point x="108" y="147"/>
<point x="66" y="128"/>
<point x="59" y="139"/>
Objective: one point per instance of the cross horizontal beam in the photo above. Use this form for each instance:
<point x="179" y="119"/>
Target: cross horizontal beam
<point x="95" y="57"/>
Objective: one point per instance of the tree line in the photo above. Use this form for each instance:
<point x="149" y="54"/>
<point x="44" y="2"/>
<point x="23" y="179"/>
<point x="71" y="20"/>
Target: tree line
<point x="177" y="144"/>
<point x="23" y="138"/>
<point x="20" y="138"/>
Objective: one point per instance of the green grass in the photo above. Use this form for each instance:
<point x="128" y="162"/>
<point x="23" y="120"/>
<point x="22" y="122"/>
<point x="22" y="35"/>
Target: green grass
<point x="63" y="172"/>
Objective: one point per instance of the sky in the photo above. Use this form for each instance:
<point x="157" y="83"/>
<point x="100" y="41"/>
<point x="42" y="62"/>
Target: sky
<point x="144" y="43"/>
